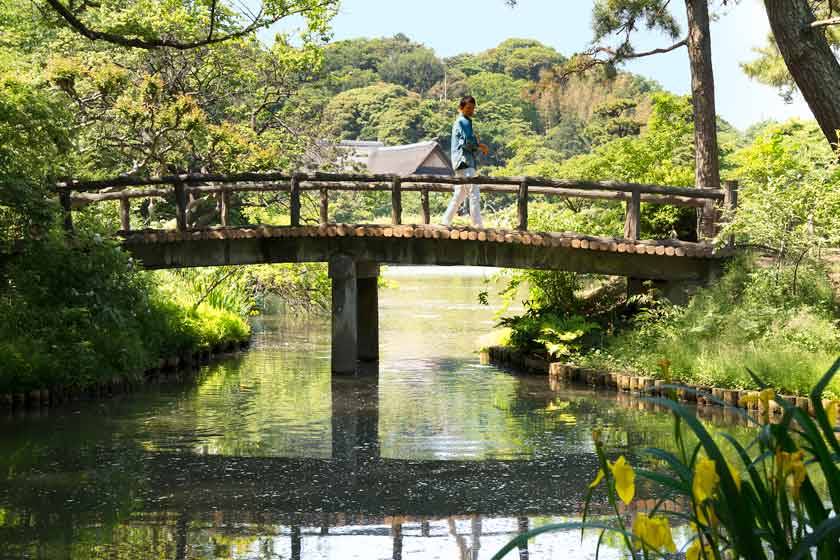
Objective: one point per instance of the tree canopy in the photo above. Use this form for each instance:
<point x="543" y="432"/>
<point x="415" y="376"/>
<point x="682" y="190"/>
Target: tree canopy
<point x="178" y="25"/>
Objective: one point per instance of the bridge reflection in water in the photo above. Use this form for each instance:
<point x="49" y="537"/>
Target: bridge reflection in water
<point x="342" y="506"/>
<point x="344" y="535"/>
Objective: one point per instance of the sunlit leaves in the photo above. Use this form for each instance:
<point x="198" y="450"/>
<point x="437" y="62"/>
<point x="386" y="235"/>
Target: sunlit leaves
<point x="33" y="141"/>
<point x="182" y="25"/>
<point x="789" y="199"/>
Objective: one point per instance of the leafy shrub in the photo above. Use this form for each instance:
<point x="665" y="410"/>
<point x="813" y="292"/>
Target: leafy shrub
<point x="547" y="333"/>
<point x="498" y="337"/>
<point x="751" y="318"/>
<point x="76" y="314"/>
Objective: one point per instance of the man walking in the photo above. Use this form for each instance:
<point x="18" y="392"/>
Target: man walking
<point x="465" y="145"/>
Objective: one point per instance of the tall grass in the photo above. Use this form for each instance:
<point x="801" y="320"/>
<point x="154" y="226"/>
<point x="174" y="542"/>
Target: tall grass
<point x="752" y="319"/>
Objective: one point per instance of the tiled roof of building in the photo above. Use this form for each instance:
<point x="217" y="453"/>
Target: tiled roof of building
<point x="422" y="158"/>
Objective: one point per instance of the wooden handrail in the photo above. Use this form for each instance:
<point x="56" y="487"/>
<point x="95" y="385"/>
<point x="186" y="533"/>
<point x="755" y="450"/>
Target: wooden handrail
<point x="522" y="205"/>
<point x="294" y="201"/>
<point x="675" y="200"/>
<point x="184" y="186"/>
<point x="199" y="179"/>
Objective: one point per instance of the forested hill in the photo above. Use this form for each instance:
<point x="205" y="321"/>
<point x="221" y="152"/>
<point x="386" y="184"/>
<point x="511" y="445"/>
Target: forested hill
<point x="398" y="91"/>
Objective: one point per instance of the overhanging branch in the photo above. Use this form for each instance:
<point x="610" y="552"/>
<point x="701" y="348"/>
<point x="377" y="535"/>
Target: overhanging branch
<point x="673" y="47"/>
<point x="258" y="22"/>
<point x="589" y="59"/>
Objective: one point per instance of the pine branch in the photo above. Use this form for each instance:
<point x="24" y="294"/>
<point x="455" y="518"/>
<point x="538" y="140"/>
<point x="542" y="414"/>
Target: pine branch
<point x="589" y="59"/>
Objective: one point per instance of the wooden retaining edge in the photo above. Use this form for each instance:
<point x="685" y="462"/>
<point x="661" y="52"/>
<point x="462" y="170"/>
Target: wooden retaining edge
<point x="559" y="372"/>
<point x="168" y="369"/>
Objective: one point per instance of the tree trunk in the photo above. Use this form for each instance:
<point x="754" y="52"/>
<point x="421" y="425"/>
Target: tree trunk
<point x="707" y="174"/>
<point x="809" y="60"/>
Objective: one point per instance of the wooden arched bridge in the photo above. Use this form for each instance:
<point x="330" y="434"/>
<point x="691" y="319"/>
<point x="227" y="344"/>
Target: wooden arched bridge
<point x="355" y="251"/>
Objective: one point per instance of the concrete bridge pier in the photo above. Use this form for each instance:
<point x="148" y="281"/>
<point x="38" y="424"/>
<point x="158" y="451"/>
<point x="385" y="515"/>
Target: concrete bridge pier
<point x="367" y="312"/>
<point x="355" y="313"/>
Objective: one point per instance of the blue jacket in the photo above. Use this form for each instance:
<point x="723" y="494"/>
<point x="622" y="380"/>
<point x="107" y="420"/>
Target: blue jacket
<point x="464" y="144"/>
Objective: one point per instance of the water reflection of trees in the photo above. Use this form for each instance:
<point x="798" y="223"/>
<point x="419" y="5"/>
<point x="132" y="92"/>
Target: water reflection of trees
<point x="214" y="470"/>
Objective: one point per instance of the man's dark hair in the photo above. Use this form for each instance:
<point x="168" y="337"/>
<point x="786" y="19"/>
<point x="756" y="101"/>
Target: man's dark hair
<point x="466" y="100"/>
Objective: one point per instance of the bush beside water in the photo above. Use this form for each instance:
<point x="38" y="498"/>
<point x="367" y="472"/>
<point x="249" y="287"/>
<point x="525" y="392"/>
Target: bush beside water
<point x="78" y="315"/>
<point x="778" y="322"/>
<point x="752" y="319"/>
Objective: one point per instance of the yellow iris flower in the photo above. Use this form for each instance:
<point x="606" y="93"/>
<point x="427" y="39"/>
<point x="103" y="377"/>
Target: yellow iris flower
<point x="699" y="552"/>
<point x="705" y="484"/>
<point x="625" y="480"/>
<point x="766" y="396"/>
<point x="748" y="399"/>
<point x="654" y="532"/>
<point x="793" y="465"/>
<point x="831" y="412"/>
<point x="705" y="480"/>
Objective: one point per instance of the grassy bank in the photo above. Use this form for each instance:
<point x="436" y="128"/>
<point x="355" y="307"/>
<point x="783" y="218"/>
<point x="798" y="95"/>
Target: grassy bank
<point x="75" y="316"/>
<point x="781" y="323"/>
<point x="752" y="320"/>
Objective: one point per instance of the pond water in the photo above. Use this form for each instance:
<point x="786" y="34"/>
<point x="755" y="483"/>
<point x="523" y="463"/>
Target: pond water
<point x="265" y="456"/>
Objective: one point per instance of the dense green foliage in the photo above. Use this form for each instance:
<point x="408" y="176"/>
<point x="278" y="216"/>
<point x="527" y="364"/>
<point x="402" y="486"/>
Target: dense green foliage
<point x="33" y="134"/>
<point x="70" y="106"/>
<point x="397" y="91"/>
<point x="79" y="311"/>
<point x="749" y="320"/>
<point x="97" y="319"/>
<point x="775" y="315"/>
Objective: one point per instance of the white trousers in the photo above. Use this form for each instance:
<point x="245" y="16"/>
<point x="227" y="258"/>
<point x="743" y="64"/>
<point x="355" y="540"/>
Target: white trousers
<point x="460" y="194"/>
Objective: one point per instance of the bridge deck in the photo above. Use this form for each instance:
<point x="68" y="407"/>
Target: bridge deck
<point x="424" y="245"/>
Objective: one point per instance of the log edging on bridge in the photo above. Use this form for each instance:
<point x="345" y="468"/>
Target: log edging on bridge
<point x="670" y="247"/>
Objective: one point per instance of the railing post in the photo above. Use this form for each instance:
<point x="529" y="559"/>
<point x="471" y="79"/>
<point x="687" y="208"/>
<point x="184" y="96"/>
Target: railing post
<point x="224" y="208"/>
<point x="522" y="205"/>
<point x="396" y="201"/>
<point x="523" y="525"/>
<point x="325" y="206"/>
<point x="66" y="205"/>
<point x="180" y="206"/>
<point x="633" y="220"/>
<point x="730" y="201"/>
<point x="294" y="200"/>
<point x="424" y="202"/>
<point x="296" y="542"/>
<point x="125" y="213"/>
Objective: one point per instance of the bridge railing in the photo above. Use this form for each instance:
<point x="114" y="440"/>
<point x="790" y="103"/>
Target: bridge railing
<point x="123" y="189"/>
